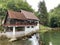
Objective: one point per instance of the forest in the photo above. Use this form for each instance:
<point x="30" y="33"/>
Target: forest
<point x="51" y="18"/>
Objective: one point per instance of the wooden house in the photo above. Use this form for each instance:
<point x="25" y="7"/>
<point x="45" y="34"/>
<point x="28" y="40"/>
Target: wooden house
<point x="21" y="23"/>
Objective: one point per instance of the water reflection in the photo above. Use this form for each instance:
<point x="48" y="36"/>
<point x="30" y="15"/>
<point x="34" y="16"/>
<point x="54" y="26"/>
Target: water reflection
<point x="34" y="40"/>
<point x="18" y="42"/>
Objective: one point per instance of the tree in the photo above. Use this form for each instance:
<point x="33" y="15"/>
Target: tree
<point x="37" y="14"/>
<point x="17" y="6"/>
<point x="53" y="22"/>
<point x="43" y="13"/>
<point x="54" y="15"/>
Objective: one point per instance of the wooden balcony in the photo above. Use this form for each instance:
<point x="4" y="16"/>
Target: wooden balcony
<point x="25" y="23"/>
<point x="20" y="24"/>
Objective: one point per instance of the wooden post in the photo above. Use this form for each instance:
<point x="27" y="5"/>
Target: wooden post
<point x="13" y="38"/>
<point x="13" y="31"/>
<point x="50" y="43"/>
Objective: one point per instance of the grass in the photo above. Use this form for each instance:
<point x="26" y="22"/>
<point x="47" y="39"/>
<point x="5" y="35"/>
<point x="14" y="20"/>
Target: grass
<point x="43" y="29"/>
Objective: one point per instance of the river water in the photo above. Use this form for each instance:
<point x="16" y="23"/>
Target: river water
<point x="31" y="41"/>
<point x="34" y="40"/>
<point x="18" y="42"/>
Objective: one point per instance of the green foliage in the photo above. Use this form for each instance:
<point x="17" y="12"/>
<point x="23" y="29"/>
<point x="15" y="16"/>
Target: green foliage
<point x="37" y="14"/>
<point x="19" y="5"/>
<point x="2" y="12"/>
<point x="53" y="22"/>
<point x="43" y="13"/>
<point x="1" y="28"/>
<point x="55" y="17"/>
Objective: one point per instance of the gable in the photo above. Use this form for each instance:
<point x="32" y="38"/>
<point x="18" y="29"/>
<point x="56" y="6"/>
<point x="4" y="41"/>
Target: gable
<point x="29" y="15"/>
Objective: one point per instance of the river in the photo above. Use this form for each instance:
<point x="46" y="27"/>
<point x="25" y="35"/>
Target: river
<point x="31" y="41"/>
<point x="18" y="42"/>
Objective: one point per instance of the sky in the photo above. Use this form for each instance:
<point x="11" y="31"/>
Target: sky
<point x="50" y="4"/>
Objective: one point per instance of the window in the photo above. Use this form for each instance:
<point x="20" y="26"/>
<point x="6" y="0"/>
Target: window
<point x="27" y="26"/>
<point x="32" y="26"/>
<point x="19" y="28"/>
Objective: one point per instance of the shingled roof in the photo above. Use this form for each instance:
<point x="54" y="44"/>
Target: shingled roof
<point x="29" y="15"/>
<point x="24" y="15"/>
<point x="15" y="15"/>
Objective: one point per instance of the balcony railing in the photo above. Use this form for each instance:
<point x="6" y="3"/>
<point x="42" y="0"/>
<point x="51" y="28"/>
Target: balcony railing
<point x="20" y="24"/>
<point x="25" y="23"/>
